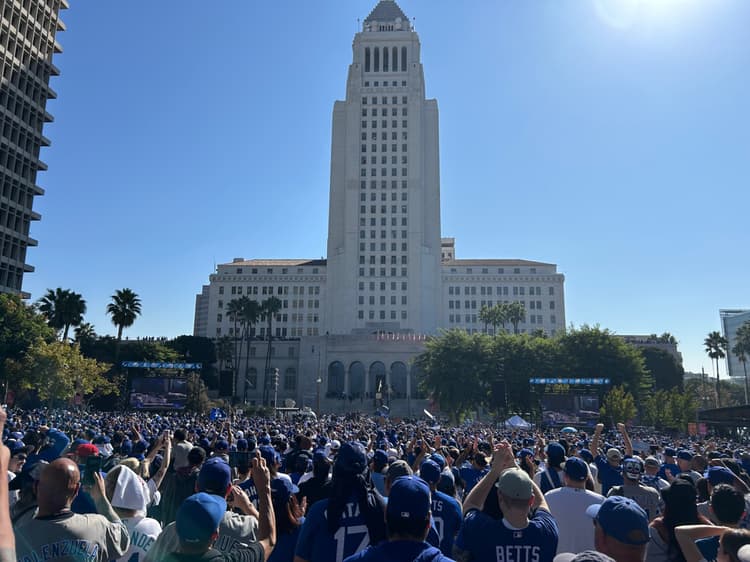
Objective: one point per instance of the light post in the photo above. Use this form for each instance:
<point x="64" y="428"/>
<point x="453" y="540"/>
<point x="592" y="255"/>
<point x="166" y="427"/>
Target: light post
<point x="275" y="389"/>
<point x="318" y="382"/>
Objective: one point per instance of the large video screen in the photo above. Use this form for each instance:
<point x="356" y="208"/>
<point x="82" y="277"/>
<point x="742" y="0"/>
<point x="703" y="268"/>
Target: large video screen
<point x="158" y="393"/>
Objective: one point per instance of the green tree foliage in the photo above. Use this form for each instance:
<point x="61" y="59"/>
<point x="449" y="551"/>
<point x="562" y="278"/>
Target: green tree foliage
<point x="20" y="326"/>
<point x="515" y="314"/>
<point x="669" y="410"/>
<point x="460" y="369"/>
<point x="85" y="334"/>
<point x="618" y="404"/>
<point x="716" y="347"/>
<point x="63" y="308"/>
<point x="197" y="397"/>
<point x="457" y="370"/>
<point x="594" y="352"/>
<point x="665" y="370"/>
<point x="519" y="358"/>
<point x="56" y="371"/>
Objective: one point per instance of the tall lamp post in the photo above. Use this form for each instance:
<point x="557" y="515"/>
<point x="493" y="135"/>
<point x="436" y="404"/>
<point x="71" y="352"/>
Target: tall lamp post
<point x="275" y="389"/>
<point x="318" y="382"/>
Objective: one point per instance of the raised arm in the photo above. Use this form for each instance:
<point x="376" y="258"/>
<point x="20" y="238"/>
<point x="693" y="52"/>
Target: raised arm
<point x="626" y="439"/>
<point x="502" y="459"/>
<point x="267" y="518"/>
<point x="7" y="539"/>
<point x="595" y="439"/>
<point x="686" y="536"/>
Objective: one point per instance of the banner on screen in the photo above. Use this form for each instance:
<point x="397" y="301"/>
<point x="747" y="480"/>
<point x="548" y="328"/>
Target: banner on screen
<point x="158" y="393"/>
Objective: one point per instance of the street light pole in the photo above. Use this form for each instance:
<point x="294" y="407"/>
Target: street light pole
<point x="275" y="389"/>
<point x="318" y="381"/>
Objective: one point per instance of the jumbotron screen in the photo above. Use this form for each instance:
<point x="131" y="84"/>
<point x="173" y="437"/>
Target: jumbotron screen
<point x="158" y="393"/>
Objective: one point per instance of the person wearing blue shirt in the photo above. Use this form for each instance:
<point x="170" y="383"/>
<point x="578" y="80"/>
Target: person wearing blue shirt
<point x="472" y="473"/>
<point x="669" y="464"/>
<point x="350" y="520"/>
<point x="408" y="520"/>
<point x="610" y="466"/>
<point x="516" y="537"/>
<point x="446" y="511"/>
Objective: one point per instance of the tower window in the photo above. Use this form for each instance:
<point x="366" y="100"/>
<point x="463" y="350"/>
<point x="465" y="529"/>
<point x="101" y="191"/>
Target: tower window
<point x="403" y="60"/>
<point x="395" y="60"/>
<point x="376" y="59"/>
<point x="367" y="59"/>
<point x="385" y="59"/>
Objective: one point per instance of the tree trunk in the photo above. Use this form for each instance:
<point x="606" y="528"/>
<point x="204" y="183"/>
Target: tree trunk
<point x="744" y="368"/>
<point x="65" y="333"/>
<point x="718" y="388"/>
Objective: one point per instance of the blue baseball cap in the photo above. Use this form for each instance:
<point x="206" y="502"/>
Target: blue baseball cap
<point x="555" y="452"/>
<point x="429" y="471"/>
<point x="622" y="519"/>
<point x="719" y="475"/>
<point x="586" y="455"/>
<point x="523" y="453"/>
<point x="215" y="476"/>
<point x="439" y="459"/>
<point x="409" y="499"/>
<point x="199" y="516"/>
<point x="685" y="455"/>
<point x="351" y="459"/>
<point x="380" y="457"/>
<point x="282" y="489"/>
<point x="269" y="454"/>
<point x="576" y="469"/>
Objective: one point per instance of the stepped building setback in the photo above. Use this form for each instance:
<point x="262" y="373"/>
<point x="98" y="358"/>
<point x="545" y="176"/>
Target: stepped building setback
<point x="350" y="324"/>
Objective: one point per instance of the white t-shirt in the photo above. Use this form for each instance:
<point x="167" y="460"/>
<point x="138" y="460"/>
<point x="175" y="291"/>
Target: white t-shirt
<point x="568" y="506"/>
<point x="143" y="532"/>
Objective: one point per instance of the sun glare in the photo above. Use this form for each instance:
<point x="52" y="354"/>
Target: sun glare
<point x="626" y="14"/>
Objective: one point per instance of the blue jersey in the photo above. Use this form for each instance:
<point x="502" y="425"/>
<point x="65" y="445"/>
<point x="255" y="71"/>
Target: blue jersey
<point x="286" y="543"/>
<point x="471" y="476"/>
<point x="608" y="475"/>
<point x="489" y="540"/>
<point x="252" y="493"/>
<point x="316" y="544"/>
<point x="447" y="518"/>
<point x="673" y="468"/>
<point x="400" y="551"/>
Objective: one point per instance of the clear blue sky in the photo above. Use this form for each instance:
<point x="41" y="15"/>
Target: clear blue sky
<point x="610" y="137"/>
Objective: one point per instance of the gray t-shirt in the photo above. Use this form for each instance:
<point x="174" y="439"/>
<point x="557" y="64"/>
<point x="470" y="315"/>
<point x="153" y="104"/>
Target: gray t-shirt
<point x="235" y="532"/>
<point x="71" y="537"/>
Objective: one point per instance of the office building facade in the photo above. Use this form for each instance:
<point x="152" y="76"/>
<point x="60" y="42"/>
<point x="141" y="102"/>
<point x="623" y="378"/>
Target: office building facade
<point x="27" y="45"/>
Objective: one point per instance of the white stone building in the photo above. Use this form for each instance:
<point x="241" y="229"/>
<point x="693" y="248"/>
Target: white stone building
<point x="355" y="320"/>
<point x="731" y="320"/>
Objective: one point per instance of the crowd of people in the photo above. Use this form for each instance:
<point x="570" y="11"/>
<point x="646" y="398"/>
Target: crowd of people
<point x="147" y="487"/>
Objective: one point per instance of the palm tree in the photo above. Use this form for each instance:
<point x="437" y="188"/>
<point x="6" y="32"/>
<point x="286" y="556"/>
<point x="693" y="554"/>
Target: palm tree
<point x="63" y="309"/>
<point x="268" y="308"/>
<point x="500" y="315"/>
<point x="85" y="333"/>
<point x="485" y="315"/>
<point x="516" y="314"/>
<point x="716" y="346"/>
<point x="234" y="309"/>
<point x="742" y="339"/>
<point x="124" y="309"/>
<point x="249" y="315"/>
<point x="740" y="352"/>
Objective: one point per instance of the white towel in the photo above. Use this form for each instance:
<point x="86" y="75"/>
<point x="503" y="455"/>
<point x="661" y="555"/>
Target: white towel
<point x="130" y="492"/>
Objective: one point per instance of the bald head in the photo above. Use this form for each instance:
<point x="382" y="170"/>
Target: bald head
<point x="58" y="485"/>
